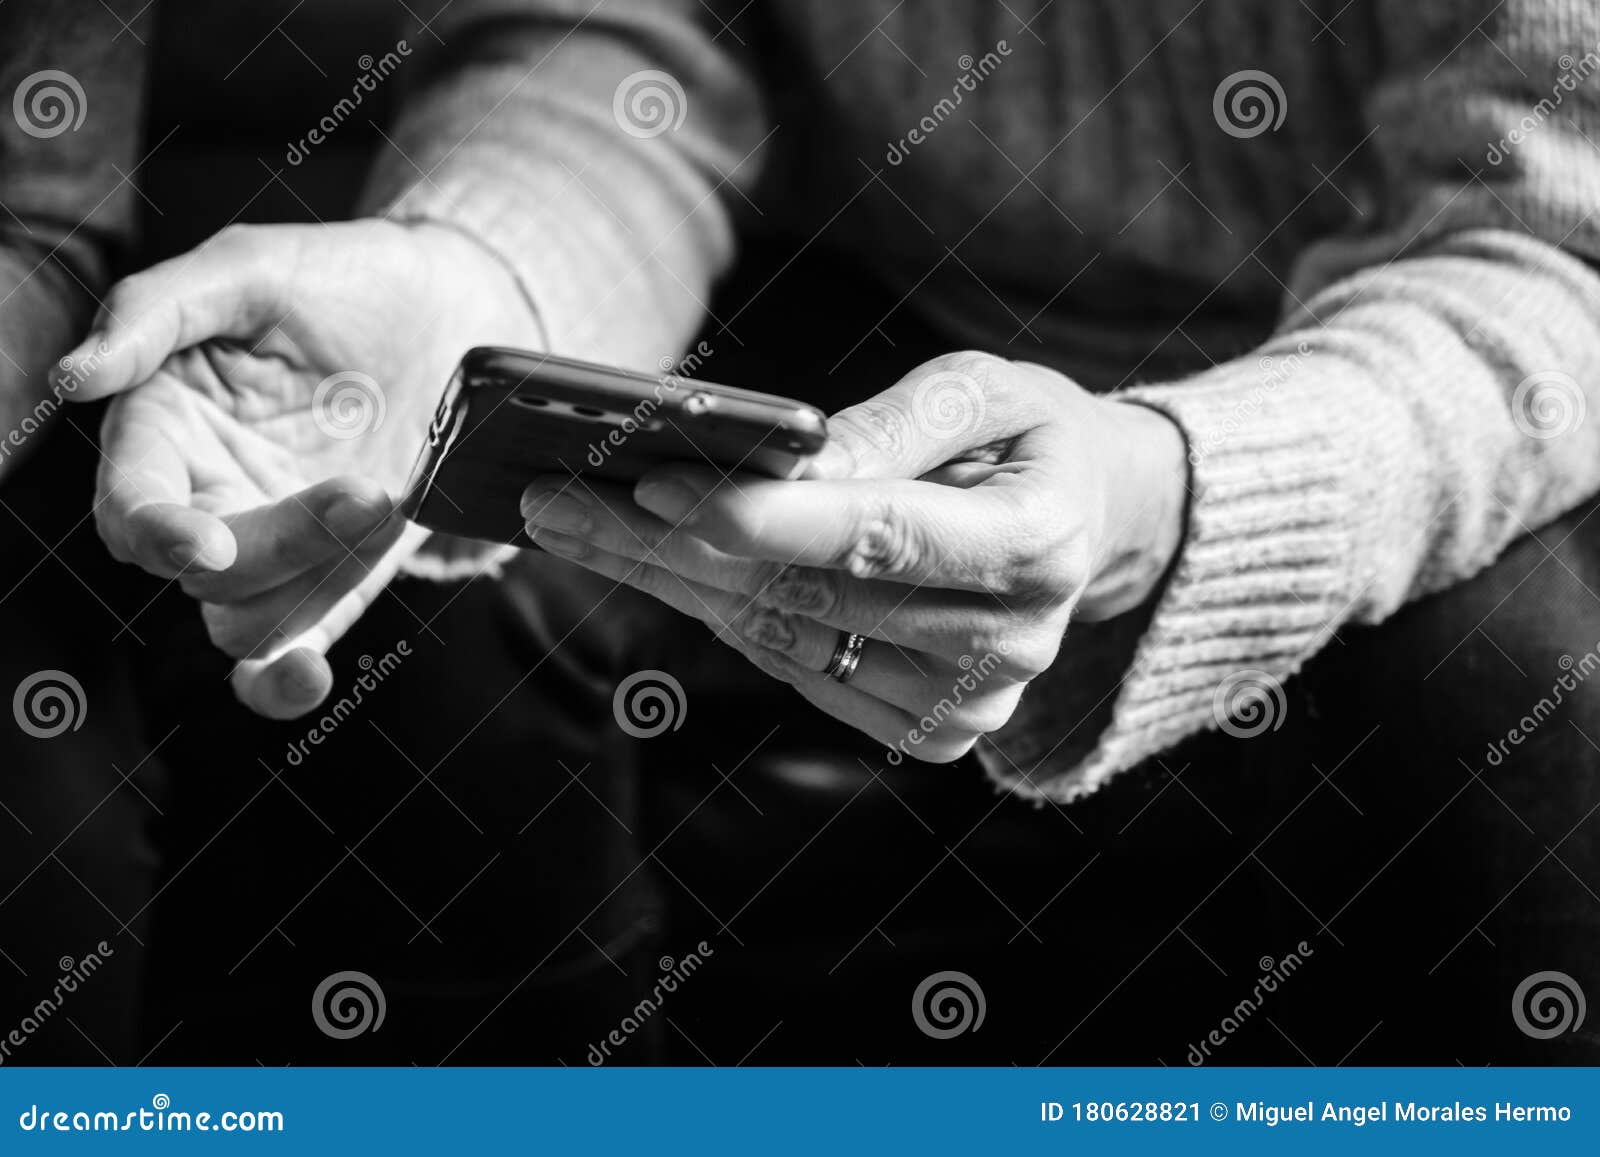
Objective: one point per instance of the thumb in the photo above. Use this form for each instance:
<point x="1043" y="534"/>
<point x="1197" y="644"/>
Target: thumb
<point x="296" y="676"/>
<point x="936" y="414"/>
<point x="230" y="286"/>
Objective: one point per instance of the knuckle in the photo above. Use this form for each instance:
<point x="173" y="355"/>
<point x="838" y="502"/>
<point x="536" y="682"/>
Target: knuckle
<point x="1045" y="562"/>
<point x="648" y="540"/>
<point x="1036" y="576"/>
<point x="874" y="427"/>
<point x="968" y="384"/>
<point x="287" y="551"/>
<point x="887" y="545"/>
<point x="953" y="394"/>
<point x="1028" y="657"/>
<point x="724" y="518"/>
<point x="124" y="295"/>
<point x="988" y="713"/>
<point x="947" y="747"/>
<point x="770" y="629"/>
<point x="564" y="546"/>
<point x="771" y="663"/>
<point x="203" y="586"/>
<point x="802" y="590"/>
<point x="233" y="236"/>
<point x="984" y="368"/>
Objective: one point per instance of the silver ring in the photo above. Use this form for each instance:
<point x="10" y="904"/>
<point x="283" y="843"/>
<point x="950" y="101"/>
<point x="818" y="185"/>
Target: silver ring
<point x="846" y="657"/>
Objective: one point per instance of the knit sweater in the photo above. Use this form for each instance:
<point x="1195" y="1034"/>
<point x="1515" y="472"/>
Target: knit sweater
<point x="1345" y="246"/>
<point x="72" y="74"/>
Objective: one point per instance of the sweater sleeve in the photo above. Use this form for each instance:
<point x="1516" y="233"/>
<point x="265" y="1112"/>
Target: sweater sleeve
<point x="1432" y="392"/>
<point x="73" y="77"/>
<point x="595" y="149"/>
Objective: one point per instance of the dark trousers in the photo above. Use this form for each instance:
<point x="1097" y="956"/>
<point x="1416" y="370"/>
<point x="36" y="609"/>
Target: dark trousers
<point x="481" y="839"/>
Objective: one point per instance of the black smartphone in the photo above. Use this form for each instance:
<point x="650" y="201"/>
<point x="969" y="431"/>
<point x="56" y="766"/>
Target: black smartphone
<point x="508" y="415"/>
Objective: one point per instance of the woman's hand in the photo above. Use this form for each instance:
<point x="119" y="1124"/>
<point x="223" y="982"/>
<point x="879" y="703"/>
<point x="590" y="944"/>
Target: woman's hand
<point x="273" y="387"/>
<point x="956" y="520"/>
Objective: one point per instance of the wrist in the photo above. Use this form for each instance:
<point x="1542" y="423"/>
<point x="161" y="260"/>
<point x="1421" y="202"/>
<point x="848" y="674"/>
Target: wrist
<point x="459" y="254"/>
<point x="1147" y="494"/>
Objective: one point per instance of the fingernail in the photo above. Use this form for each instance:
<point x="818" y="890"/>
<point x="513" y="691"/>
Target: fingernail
<point x="348" y="517"/>
<point x="673" y="499"/>
<point x="561" y="544"/>
<point x="295" y="685"/>
<point x="192" y="554"/>
<point x="558" y="512"/>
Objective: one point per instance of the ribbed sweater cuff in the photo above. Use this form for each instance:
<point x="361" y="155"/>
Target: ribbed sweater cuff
<point x="1263" y="572"/>
<point x="544" y="224"/>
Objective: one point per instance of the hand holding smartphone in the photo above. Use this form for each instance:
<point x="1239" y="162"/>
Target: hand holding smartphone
<point x="509" y="415"/>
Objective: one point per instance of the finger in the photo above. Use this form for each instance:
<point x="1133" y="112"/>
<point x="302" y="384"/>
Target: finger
<point x="225" y="287"/>
<point x="254" y="627"/>
<point x="142" y="509"/>
<point x="891" y="528"/>
<point x="287" y="687"/>
<point x="895" y="675"/>
<point x="293" y="680"/>
<point x="890" y="726"/>
<point x="932" y="619"/>
<point x="936" y="413"/>
<point x="277" y="542"/>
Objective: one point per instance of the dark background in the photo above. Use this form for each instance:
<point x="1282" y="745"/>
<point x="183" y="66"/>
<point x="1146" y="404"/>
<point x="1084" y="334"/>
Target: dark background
<point x="827" y="884"/>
